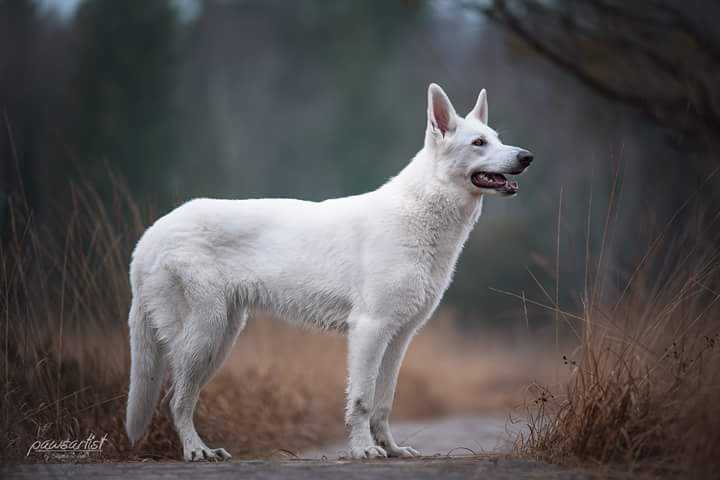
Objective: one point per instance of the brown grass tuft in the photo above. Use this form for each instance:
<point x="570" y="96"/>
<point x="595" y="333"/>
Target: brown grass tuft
<point x="644" y="381"/>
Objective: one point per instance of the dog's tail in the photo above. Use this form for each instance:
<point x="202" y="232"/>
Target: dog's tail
<point x="146" y="372"/>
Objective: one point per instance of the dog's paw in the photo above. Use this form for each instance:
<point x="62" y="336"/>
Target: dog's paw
<point x="203" y="453"/>
<point x="403" y="452"/>
<point x="368" y="452"/>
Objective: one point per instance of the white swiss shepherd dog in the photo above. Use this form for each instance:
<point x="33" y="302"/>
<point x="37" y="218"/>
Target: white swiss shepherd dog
<point x="373" y="265"/>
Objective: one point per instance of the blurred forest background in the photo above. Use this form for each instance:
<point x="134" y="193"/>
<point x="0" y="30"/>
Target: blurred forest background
<point x="314" y="99"/>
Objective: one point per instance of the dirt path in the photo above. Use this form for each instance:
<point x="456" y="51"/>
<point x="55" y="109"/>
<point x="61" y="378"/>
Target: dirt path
<point x="487" y="468"/>
<point x="444" y="442"/>
<point x="448" y="436"/>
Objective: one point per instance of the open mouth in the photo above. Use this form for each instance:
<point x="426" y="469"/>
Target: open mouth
<point x="494" y="181"/>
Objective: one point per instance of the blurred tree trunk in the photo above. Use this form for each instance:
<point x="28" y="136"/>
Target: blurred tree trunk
<point x="124" y="91"/>
<point x="35" y="60"/>
<point x="18" y="33"/>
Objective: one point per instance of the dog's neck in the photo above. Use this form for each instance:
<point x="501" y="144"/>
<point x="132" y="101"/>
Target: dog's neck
<point x="418" y="183"/>
<point x="437" y="215"/>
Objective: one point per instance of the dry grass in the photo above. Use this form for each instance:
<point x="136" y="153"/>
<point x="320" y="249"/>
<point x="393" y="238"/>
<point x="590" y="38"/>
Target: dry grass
<point x="645" y="377"/>
<point x="64" y="300"/>
<point x="642" y="388"/>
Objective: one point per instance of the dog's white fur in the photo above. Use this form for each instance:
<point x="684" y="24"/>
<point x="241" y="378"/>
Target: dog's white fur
<point x="374" y="265"/>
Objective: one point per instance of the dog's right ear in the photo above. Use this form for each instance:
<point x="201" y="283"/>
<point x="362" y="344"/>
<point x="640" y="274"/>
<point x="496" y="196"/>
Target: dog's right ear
<point x="442" y="118"/>
<point x="480" y="111"/>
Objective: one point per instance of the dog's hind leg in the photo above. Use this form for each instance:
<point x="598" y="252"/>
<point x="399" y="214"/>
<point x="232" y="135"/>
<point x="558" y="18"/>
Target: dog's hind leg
<point x="385" y="393"/>
<point x="208" y="333"/>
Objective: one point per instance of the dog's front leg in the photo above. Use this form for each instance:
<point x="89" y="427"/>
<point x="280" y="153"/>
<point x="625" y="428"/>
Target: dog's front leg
<point x="367" y="340"/>
<point x="385" y="393"/>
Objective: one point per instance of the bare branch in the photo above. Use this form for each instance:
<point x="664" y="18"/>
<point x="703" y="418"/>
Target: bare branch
<point x="654" y="58"/>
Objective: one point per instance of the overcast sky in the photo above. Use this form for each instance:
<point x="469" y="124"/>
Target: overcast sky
<point x="66" y="8"/>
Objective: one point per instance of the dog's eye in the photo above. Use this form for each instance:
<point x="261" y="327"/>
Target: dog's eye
<point x="479" y="142"/>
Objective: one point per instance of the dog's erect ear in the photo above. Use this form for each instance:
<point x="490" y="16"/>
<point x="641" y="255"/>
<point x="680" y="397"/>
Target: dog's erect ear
<point x="480" y="112"/>
<point x="441" y="114"/>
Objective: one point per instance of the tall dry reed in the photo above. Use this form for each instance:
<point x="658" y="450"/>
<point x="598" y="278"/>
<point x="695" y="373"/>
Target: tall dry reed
<point x="644" y="380"/>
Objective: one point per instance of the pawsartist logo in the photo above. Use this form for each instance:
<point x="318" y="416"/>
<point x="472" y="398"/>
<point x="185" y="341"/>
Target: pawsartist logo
<point x="69" y="447"/>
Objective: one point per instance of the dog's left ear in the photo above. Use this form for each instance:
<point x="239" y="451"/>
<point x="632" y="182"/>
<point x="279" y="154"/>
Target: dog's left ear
<point x="441" y="114"/>
<point x="480" y="112"/>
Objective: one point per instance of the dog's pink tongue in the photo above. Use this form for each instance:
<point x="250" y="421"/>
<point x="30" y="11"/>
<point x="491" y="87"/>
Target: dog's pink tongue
<point x="499" y="180"/>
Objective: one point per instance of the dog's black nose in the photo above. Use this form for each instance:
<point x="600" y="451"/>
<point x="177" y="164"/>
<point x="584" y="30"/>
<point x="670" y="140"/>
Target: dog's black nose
<point x="525" y="158"/>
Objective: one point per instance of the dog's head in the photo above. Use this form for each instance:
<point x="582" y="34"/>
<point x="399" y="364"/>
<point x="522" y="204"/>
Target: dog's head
<point x="466" y="151"/>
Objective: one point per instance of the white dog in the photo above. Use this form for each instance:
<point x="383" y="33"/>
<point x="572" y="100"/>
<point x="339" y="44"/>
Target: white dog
<point x="374" y="265"/>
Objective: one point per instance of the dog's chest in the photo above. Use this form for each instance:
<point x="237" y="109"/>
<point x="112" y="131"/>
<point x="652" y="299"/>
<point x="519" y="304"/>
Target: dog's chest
<point x="440" y="254"/>
<point x="438" y="241"/>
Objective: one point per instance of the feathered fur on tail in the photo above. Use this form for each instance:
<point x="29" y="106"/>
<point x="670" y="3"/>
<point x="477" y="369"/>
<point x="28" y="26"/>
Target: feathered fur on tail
<point x="146" y="373"/>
